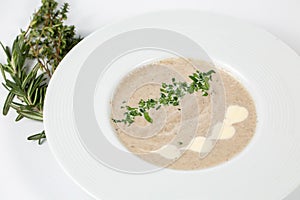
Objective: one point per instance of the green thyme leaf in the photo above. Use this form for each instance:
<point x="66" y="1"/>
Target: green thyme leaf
<point x="147" y="117"/>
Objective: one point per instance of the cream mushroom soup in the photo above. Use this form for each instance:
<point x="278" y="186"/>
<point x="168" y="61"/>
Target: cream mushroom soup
<point x="154" y="142"/>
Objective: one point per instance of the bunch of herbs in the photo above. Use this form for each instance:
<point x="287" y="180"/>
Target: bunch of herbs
<point x="31" y="61"/>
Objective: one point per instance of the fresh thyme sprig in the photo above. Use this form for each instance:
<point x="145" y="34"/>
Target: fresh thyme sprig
<point x="33" y="58"/>
<point x="171" y="94"/>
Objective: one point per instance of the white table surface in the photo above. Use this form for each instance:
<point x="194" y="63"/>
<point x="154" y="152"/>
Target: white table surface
<point x="29" y="171"/>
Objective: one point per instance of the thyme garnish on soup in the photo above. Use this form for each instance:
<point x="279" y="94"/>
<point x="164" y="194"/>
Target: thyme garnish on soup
<point x="170" y="95"/>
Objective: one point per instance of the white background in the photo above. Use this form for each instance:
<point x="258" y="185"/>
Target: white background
<point x="29" y="171"/>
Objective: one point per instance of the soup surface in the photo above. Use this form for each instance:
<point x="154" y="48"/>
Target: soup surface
<point x="179" y="134"/>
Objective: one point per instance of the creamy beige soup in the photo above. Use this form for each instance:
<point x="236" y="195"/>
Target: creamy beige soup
<point x="151" y="142"/>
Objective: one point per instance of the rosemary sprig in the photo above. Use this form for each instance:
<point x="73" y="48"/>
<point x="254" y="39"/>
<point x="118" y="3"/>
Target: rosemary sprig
<point x="33" y="58"/>
<point x="170" y="96"/>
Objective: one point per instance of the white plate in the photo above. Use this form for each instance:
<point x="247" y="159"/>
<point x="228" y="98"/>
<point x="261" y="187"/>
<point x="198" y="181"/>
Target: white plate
<point x="267" y="169"/>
